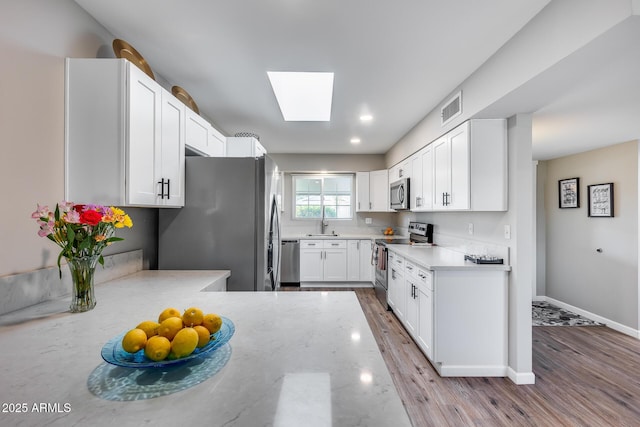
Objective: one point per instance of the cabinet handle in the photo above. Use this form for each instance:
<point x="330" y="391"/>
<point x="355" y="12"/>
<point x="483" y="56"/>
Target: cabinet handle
<point x="370" y="205"/>
<point x="168" y="188"/>
<point x="335" y="244"/>
<point x="358" y="205"/>
<point x="400" y="173"/>
<point x="393" y="274"/>
<point x="161" y="194"/>
<point x="311" y="244"/>
<point x="358" y="245"/>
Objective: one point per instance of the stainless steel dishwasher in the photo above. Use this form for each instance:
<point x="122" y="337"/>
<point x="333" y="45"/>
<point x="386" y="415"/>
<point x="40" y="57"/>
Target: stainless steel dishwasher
<point x="290" y="261"/>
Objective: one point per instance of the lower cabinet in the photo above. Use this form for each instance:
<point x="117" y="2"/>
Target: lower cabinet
<point x="458" y="318"/>
<point x="323" y="260"/>
<point x="359" y="266"/>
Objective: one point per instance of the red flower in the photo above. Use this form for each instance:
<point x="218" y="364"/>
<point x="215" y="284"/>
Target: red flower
<point x="78" y="208"/>
<point x="90" y="217"/>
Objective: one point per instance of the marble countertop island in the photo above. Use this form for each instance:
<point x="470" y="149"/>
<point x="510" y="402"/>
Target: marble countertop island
<point x="297" y="358"/>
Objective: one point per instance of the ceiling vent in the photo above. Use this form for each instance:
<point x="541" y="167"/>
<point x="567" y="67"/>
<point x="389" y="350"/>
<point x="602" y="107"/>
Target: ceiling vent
<point x="452" y="109"/>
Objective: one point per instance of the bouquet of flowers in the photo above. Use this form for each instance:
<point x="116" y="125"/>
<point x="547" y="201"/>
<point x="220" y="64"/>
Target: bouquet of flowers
<point x="80" y="230"/>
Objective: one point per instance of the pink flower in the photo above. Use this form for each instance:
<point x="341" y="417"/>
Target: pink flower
<point x="41" y="212"/>
<point x="46" y="227"/>
<point x="72" y="217"/>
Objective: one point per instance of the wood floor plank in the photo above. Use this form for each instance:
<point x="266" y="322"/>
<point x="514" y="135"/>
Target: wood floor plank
<point x="585" y="376"/>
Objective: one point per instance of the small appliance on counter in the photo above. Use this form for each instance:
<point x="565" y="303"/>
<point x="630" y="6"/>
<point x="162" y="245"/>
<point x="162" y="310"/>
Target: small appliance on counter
<point x="483" y="259"/>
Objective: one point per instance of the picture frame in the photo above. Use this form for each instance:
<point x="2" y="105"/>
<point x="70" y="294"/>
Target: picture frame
<point x="600" y="200"/>
<point x="569" y="193"/>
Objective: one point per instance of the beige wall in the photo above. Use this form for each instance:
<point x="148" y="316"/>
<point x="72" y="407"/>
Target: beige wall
<point x="35" y="37"/>
<point x="605" y="283"/>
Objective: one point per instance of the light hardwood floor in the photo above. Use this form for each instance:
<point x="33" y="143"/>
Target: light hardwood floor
<point x="585" y="376"/>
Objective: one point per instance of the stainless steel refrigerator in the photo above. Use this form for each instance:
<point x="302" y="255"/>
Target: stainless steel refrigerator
<point x="229" y="222"/>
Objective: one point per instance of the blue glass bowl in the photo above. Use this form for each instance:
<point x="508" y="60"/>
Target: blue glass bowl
<point x="113" y="353"/>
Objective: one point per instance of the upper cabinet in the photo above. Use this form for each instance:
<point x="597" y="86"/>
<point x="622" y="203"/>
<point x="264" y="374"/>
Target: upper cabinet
<point x="400" y="171"/>
<point x="372" y="191"/>
<point x="124" y="136"/>
<point x="465" y="169"/>
<point x="470" y="167"/>
<point x="244" y="146"/>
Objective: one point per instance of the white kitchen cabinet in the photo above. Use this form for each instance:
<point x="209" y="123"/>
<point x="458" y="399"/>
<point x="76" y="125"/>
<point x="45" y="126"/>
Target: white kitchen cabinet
<point x="411" y="296"/>
<point x="421" y="189"/>
<point x="363" y="202"/>
<point x="120" y="118"/>
<point x="470" y="167"/>
<point x="311" y="261"/>
<point x="379" y="190"/>
<point x="401" y="170"/>
<point x="197" y="133"/>
<point x="372" y="191"/>
<point x="335" y="261"/>
<point x="451" y="170"/>
<point x="396" y="295"/>
<point x="425" y="314"/>
<point x="323" y="260"/>
<point x="216" y="144"/>
<point x="359" y="267"/>
<point x="244" y="146"/>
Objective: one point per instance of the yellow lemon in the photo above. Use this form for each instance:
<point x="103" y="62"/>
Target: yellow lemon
<point x="203" y="335"/>
<point x="157" y="348"/>
<point x="185" y="341"/>
<point x="212" y="322"/>
<point x="134" y="340"/>
<point x="149" y="327"/>
<point x="169" y="327"/>
<point x="192" y="316"/>
<point x="167" y="313"/>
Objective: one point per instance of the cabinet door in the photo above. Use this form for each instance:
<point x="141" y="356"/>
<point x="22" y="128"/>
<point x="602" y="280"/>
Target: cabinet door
<point x="363" y="203"/>
<point x="366" y="268"/>
<point x="197" y="133"/>
<point x="216" y="143"/>
<point x="427" y="178"/>
<point x="415" y="187"/>
<point x="353" y="260"/>
<point x="397" y="289"/>
<point x="379" y="190"/>
<point x="441" y="170"/>
<point x="335" y="265"/>
<point x="311" y="265"/>
<point x="425" y="321"/>
<point x="411" y="310"/>
<point x="460" y="168"/>
<point x="172" y="149"/>
<point x="143" y="139"/>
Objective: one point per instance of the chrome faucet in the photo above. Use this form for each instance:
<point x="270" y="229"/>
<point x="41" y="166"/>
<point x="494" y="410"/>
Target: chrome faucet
<point x="323" y="223"/>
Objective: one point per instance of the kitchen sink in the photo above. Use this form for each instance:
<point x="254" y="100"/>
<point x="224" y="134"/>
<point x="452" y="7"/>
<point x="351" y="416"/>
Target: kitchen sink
<point x="322" y="235"/>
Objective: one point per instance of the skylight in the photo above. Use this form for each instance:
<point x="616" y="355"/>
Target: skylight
<point x="303" y="96"/>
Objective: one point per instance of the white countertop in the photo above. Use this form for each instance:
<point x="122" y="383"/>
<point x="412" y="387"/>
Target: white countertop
<point x="297" y="358"/>
<point x="440" y="258"/>
<point x="345" y="236"/>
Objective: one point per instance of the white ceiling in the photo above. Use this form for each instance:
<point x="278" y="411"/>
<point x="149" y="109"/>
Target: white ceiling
<point x="396" y="62"/>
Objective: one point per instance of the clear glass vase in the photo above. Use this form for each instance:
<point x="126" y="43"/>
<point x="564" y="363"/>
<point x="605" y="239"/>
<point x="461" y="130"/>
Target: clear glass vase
<point x="82" y="293"/>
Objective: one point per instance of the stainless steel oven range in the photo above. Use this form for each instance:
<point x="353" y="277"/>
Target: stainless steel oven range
<point x="419" y="234"/>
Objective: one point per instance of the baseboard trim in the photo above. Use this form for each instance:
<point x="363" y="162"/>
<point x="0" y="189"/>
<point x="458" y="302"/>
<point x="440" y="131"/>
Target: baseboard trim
<point x="471" y="370"/>
<point x="336" y="285"/>
<point x="521" y="378"/>
<point x="608" y="322"/>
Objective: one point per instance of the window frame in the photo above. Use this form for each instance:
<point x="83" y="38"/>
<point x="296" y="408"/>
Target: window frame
<point x="322" y="176"/>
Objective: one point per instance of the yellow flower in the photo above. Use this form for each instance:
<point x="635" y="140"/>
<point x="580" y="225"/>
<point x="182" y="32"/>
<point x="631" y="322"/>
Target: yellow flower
<point x="100" y="237"/>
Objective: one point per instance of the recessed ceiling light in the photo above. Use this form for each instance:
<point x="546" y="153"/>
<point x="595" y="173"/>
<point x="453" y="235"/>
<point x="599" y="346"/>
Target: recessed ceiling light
<point x="355" y="140"/>
<point x="366" y="118"/>
<point x="303" y="96"/>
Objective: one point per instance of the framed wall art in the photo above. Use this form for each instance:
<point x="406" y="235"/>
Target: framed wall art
<point x="569" y="193"/>
<point x="601" y="200"/>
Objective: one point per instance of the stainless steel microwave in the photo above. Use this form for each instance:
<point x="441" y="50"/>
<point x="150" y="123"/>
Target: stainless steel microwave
<point x="399" y="194"/>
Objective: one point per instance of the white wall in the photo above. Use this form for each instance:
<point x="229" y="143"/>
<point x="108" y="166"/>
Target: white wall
<point x="35" y="37"/>
<point x="606" y="283"/>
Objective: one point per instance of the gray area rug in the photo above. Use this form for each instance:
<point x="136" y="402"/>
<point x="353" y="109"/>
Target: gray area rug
<point x="545" y="314"/>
